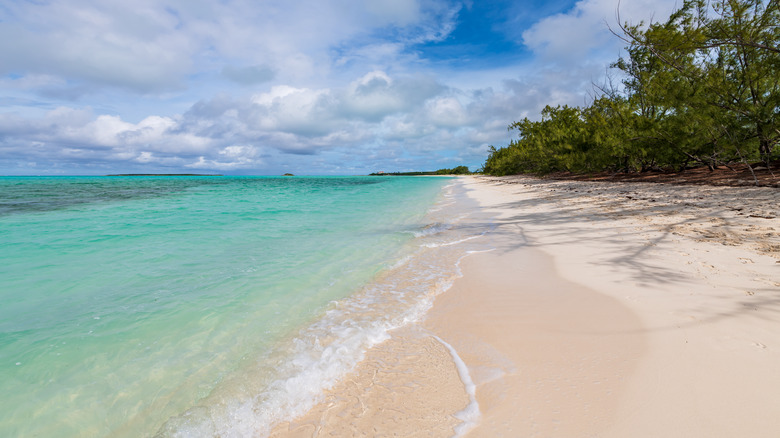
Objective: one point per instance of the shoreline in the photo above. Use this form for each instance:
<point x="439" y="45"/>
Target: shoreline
<point x="617" y="309"/>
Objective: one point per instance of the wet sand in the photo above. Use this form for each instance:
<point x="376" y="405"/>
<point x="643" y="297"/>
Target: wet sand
<point x="603" y="309"/>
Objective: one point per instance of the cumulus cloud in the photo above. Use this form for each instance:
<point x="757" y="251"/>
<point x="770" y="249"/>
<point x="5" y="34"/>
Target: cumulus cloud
<point x="77" y="136"/>
<point x="113" y="44"/>
<point x="402" y="12"/>
<point x="148" y="46"/>
<point x="255" y="74"/>
<point x="230" y="158"/>
<point x="313" y="117"/>
<point x="309" y="86"/>
<point x="447" y="111"/>
<point x="375" y="95"/>
<point x="411" y="116"/>
<point x="583" y="32"/>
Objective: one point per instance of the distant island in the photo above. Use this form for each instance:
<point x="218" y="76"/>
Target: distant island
<point x="166" y="174"/>
<point x="460" y="170"/>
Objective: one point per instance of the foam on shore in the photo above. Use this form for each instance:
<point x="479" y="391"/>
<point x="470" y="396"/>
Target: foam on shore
<point x="298" y="373"/>
<point x="595" y="313"/>
<point x="469" y="416"/>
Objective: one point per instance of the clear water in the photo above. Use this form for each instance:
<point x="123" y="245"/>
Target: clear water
<point x="200" y="306"/>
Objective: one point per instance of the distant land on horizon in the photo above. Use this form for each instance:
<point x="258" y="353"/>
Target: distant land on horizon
<point x="402" y="173"/>
<point x="165" y="174"/>
<point x="459" y="170"/>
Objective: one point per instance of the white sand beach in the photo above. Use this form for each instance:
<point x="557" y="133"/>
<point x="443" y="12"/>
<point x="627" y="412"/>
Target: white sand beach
<point x="605" y="310"/>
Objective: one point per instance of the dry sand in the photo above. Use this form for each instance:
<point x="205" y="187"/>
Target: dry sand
<point x="605" y="310"/>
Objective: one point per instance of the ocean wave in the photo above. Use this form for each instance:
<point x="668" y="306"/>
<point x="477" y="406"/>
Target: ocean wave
<point x="432" y="229"/>
<point x="290" y="380"/>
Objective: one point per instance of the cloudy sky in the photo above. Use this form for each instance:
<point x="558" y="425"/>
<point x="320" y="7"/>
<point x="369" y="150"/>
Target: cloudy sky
<point x="317" y="87"/>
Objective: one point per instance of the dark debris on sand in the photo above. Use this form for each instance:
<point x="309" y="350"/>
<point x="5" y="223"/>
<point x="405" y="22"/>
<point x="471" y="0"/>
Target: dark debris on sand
<point x="736" y="175"/>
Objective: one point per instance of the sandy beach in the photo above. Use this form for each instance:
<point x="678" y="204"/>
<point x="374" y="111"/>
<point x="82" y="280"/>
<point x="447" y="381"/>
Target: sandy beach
<point x="602" y="310"/>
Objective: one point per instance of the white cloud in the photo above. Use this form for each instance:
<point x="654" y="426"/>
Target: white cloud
<point x="116" y="44"/>
<point x="238" y="85"/>
<point x="579" y="34"/>
<point x="402" y="12"/>
<point x="413" y="114"/>
<point x="447" y="111"/>
<point x="300" y="110"/>
<point x="230" y="158"/>
<point x="250" y="75"/>
<point x="376" y="96"/>
<point x="147" y="46"/>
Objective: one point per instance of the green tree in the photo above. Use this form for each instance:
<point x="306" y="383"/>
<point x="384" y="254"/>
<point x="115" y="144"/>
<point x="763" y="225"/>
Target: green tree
<point x="721" y="74"/>
<point x="702" y="87"/>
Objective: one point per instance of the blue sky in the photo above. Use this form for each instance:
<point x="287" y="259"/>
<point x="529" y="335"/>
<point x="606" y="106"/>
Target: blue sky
<point x="325" y="87"/>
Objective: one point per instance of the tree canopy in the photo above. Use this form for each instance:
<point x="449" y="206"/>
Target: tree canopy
<point x="702" y="88"/>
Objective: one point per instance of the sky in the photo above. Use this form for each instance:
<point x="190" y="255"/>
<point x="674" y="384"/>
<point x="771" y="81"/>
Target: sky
<point x="265" y="87"/>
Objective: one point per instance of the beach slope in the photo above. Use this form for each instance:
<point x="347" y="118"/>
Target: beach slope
<point x="602" y="309"/>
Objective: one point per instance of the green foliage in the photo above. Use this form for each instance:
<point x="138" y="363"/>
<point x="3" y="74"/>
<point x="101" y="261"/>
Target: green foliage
<point x="701" y="88"/>
<point x="460" y="170"/>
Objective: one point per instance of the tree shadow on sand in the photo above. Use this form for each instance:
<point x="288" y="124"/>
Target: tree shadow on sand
<point x="570" y="214"/>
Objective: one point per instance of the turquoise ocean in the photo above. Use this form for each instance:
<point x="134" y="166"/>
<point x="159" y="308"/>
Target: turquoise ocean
<point x="205" y="306"/>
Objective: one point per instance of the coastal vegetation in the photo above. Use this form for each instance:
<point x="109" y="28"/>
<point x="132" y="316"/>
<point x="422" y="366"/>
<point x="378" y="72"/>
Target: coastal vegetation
<point x="700" y="89"/>
<point x="459" y="170"/>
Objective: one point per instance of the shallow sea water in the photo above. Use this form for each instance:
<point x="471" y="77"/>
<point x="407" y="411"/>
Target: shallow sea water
<point x="205" y="306"/>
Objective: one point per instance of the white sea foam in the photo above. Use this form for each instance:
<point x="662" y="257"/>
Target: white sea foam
<point x="311" y="366"/>
<point x="289" y="381"/>
<point x="320" y="355"/>
<point x="219" y="278"/>
<point x="432" y="229"/>
<point x="454" y="242"/>
<point x="470" y="414"/>
<point x="442" y="206"/>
